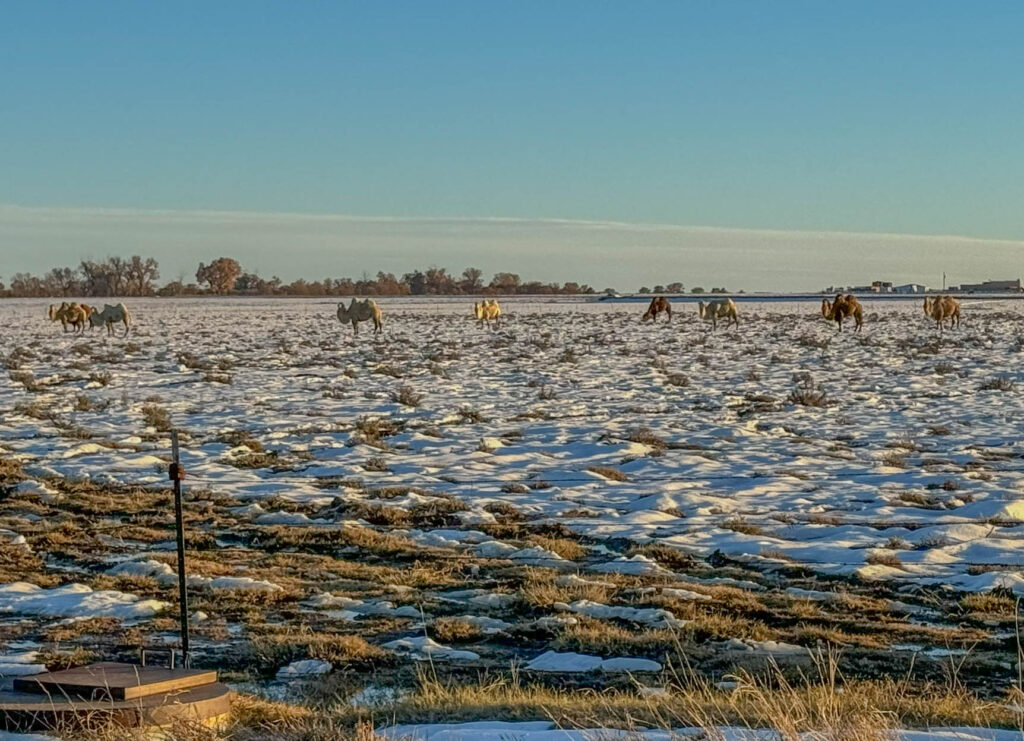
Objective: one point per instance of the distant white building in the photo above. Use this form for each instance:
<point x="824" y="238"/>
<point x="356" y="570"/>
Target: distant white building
<point x="910" y="288"/>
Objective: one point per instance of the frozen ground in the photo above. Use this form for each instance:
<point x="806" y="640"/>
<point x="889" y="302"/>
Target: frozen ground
<point x="637" y="468"/>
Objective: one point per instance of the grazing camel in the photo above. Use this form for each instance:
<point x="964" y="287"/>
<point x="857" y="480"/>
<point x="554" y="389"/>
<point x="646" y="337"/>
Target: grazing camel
<point x="74" y="314"/>
<point x="487" y="311"/>
<point x="109" y="316"/>
<point x="658" y="305"/>
<point x="59" y="314"/>
<point x="723" y="308"/>
<point x="942" y="308"/>
<point x="843" y="308"/>
<point x="361" y="311"/>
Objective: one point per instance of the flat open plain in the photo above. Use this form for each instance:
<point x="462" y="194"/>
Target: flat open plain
<point x="572" y="499"/>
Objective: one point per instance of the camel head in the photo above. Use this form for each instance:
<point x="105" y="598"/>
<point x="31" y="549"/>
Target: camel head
<point x="928" y="303"/>
<point x="827" y="309"/>
<point x="52" y="313"/>
<point x="702" y="310"/>
<point x="647" y="315"/>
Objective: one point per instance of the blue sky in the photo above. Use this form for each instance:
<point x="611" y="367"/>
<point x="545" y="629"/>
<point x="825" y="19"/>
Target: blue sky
<point x="896" y="117"/>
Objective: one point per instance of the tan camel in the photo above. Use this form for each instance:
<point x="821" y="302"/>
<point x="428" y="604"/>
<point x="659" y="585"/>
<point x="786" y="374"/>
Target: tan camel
<point x="73" y="314"/>
<point x="842" y="308"/>
<point x="658" y="305"/>
<point x="723" y="308"/>
<point x="942" y="308"/>
<point x="59" y="314"/>
<point x="487" y="311"/>
<point x="361" y="311"/>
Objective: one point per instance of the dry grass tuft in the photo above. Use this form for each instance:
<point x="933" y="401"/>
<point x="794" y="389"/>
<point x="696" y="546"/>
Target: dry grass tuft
<point x="273" y="646"/>
<point x="808" y="394"/>
<point x="612" y="474"/>
<point x="740" y="525"/>
<point x="563" y="547"/>
<point x="538" y="589"/>
<point x="645" y="436"/>
<point x="406" y="396"/>
<point x="1000" y="383"/>
<point x="884" y="559"/>
<point x="455" y="630"/>
<point x="156" y="417"/>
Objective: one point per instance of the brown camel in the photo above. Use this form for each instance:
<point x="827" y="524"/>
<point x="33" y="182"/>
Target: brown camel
<point x="658" y="305"/>
<point x="843" y="308"/>
<point x="942" y="308"/>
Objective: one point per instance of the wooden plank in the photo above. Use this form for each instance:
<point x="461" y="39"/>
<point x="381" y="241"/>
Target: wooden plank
<point x="114" y="681"/>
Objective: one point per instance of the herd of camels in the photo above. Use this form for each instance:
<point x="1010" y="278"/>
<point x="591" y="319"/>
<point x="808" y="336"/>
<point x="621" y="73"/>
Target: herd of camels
<point x="844" y="307"/>
<point x="77" y="315"/>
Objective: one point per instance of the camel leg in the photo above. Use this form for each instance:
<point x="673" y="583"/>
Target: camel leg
<point x="669" y="312"/>
<point x="355" y="327"/>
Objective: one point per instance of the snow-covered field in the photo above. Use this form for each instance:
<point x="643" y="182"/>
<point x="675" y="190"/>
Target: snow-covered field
<point x="891" y="458"/>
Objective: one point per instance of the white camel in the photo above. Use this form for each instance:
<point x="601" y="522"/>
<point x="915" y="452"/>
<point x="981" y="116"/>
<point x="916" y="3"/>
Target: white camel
<point x="361" y="311"/>
<point x="109" y="316"/>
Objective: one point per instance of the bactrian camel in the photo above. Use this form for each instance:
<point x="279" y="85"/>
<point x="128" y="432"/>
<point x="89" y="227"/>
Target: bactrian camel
<point x="361" y="311"/>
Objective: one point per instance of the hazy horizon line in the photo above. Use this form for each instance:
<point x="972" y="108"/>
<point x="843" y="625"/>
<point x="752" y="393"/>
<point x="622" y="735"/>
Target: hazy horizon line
<point x="249" y="214"/>
<point x="601" y="253"/>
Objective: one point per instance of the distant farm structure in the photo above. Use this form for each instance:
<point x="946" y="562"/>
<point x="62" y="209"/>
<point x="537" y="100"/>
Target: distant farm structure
<point x="881" y="286"/>
<point x="990" y="286"/>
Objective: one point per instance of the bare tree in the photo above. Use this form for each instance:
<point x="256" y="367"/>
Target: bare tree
<point x="472" y="280"/>
<point x="24" y="284"/>
<point x="63" y="282"/>
<point x="439" y="282"/>
<point x="140" y="274"/>
<point x="117" y="272"/>
<point x="95" y="279"/>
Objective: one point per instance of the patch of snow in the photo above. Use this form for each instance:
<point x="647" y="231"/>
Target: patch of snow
<point x="423" y="648"/>
<point x="75" y="600"/>
<point x="655" y="617"/>
<point x="637" y="565"/>
<point x="571" y="663"/>
<point x="305" y="668"/>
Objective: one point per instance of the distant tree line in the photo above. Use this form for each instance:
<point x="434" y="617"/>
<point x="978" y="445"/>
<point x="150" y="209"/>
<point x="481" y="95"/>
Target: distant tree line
<point x="115" y="276"/>
<point x="137" y="276"/>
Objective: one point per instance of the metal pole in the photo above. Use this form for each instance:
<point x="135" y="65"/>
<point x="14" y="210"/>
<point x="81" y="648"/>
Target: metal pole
<point x="177" y="473"/>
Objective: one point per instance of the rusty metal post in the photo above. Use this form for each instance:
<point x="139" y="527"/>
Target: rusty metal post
<point x="177" y="473"/>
